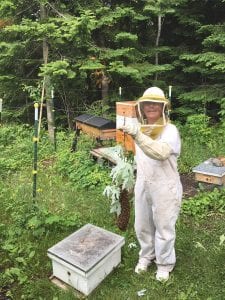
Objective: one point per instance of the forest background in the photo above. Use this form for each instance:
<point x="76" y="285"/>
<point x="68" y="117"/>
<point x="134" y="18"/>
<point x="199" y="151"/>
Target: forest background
<point x="87" y="50"/>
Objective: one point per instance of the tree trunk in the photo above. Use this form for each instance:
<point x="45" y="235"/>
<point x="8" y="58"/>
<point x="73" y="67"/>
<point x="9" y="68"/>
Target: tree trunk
<point x="67" y="106"/>
<point x="105" y="88"/>
<point x="50" y="110"/>
<point x="157" y="42"/>
<point x="49" y="100"/>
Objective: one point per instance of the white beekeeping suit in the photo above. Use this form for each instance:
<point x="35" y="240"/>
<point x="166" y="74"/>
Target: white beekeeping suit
<point x="158" y="190"/>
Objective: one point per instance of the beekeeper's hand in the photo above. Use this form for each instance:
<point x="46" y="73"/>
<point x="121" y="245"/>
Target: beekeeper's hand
<point x="131" y="129"/>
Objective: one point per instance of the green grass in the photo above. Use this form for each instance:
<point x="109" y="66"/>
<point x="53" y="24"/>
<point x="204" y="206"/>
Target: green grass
<point x="28" y="227"/>
<point x="199" y="273"/>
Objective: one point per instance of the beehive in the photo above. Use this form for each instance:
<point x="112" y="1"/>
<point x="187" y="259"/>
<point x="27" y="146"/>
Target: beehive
<point x="125" y="114"/>
<point x="97" y="127"/>
<point x="206" y="172"/>
<point x="126" y="109"/>
<point x="125" y="140"/>
<point x="86" y="257"/>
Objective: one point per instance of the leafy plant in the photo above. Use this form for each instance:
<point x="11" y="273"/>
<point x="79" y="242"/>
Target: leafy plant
<point x="204" y="203"/>
<point x="80" y="168"/>
<point x="122" y="176"/>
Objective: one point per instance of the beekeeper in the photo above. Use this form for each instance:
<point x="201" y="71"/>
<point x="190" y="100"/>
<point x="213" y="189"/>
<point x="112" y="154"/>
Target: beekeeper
<point x="158" y="190"/>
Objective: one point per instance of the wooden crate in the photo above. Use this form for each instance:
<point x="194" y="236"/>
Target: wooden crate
<point x="103" y="134"/>
<point x="125" y="140"/>
<point x="210" y="178"/>
<point x="126" y="108"/>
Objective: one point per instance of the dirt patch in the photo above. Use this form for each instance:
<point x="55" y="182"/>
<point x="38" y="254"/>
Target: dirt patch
<point x="191" y="187"/>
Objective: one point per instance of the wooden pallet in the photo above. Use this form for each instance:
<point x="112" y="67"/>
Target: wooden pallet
<point x="64" y="286"/>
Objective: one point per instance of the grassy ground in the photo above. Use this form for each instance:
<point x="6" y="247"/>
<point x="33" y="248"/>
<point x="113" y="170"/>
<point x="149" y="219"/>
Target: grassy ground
<point x="199" y="273"/>
<point x="28" y="227"/>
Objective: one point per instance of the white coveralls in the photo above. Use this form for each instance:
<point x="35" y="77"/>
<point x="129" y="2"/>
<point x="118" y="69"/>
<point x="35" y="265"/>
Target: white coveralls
<point x="158" y="194"/>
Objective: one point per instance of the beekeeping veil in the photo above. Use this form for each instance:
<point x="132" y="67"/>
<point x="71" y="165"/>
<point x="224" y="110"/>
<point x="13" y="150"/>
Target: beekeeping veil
<point x="153" y="94"/>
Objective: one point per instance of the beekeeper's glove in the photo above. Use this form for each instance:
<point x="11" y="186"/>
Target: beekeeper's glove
<point x="131" y="129"/>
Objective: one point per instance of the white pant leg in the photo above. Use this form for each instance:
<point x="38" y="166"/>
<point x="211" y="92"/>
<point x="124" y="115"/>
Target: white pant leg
<point x="166" y="206"/>
<point x="144" y="226"/>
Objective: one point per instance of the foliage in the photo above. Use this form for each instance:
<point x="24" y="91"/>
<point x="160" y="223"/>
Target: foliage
<point x="57" y="69"/>
<point x="197" y="127"/>
<point x="204" y="204"/>
<point x="17" y="139"/>
<point x="122" y="176"/>
<point x="119" y="38"/>
<point x="198" y="141"/>
<point x="29" y="227"/>
<point x="28" y="221"/>
<point x="80" y="168"/>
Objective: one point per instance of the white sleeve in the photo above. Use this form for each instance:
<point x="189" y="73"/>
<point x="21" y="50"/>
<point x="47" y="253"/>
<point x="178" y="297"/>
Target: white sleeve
<point x="154" y="149"/>
<point x="168" y="144"/>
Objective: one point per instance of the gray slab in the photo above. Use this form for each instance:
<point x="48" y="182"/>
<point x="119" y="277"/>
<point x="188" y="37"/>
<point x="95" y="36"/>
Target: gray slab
<point x="209" y="169"/>
<point x="86" y="247"/>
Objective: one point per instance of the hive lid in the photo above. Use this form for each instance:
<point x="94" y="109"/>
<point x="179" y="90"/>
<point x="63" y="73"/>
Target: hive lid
<point x="86" y="247"/>
<point x="207" y="168"/>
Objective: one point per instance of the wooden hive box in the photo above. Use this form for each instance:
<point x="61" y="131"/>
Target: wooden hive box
<point x="125" y="140"/>
<point x="206" y="172"/>
<point x="97" y="127"/>
<point x="125" y="114"/>
<point x="126" y="109"/>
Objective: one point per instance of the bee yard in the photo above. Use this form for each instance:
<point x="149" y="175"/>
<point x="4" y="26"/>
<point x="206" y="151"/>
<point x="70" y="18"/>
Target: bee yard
<point x="209" y="173"/>
<point x="86" y="257"/>
<point x="125" y="114"/>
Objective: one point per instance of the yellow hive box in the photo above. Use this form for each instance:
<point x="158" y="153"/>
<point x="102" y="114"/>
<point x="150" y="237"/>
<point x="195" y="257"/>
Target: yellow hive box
<point x="125" y="113"/>
<point x="126" y="109"/>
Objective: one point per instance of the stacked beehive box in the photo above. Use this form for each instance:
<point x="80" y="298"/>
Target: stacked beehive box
<point x="125" y="114"/>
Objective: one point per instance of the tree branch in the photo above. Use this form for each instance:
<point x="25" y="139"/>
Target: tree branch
<point x="59" y="13"/>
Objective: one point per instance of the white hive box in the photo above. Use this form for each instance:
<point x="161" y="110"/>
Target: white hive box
<point x="86" y="257"/>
